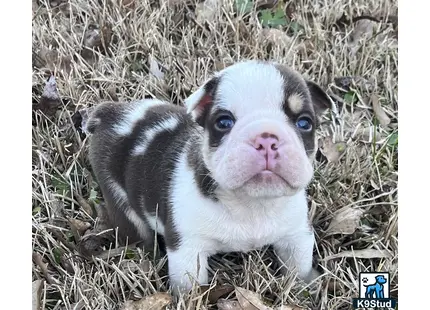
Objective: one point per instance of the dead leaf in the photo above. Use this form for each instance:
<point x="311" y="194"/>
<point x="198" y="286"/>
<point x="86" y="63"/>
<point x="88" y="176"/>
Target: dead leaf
<point x="219" y="65"/>
<point x="37" y="60"/>
<point x="106" y="35"/>
<point x="375" y="186"/>
<point x="94" y="244"/>
<point x="217" y="292"/>
<point x="394" y="19"/>
<point x="111" y="91"/>
<point x="288" y="307"/>
<point x="277" y="37"/>
<point x="89" y="56"/>
<point x="65" y="262"/>
<point x="363" y="30"/>
<point x="35" y="6"/>
<point x="38" y="9"/>
<point x="345" y="222"/>
<point x="367" y="254"/>
<point x="157" y="301"/>
<point x="154" y="68"/>
<point x="333" y="285"/>
<point x="146" y="266"/>
<point x="291" y="9"/>
<point x="60" y="6"/>
<point x="128" y="4"/>
<point x="92" y="37"/>
<point x="84" y="204"/>
<point x="51" y="60"/>
<point x="38" y="260"/>
<point x="50" y="100"/>
<point x="332" y="151"/>
<point x="380" y="114"/>
<point x="206" y="11"/>
<point x="79" y="226"/>
<point x="96" y="37"/>
<point x="265" y="4"/>
<point x="250" y="300"/>
<point x="224" y="304"/>
<point x="37" y="292"/>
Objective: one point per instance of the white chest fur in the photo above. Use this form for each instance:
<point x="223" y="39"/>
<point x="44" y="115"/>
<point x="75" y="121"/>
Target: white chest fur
<point x="234" y="224"/>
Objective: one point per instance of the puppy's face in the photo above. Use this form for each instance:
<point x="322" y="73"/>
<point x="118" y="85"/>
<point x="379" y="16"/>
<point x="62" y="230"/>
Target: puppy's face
<point x="259" y="123"/>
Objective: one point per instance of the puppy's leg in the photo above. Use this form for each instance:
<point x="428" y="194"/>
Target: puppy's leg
<point x="295" y="250"/>
<point x="186" y="265"/>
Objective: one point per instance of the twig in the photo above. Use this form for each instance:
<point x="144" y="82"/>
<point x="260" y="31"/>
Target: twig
<point x="37" y="259"/>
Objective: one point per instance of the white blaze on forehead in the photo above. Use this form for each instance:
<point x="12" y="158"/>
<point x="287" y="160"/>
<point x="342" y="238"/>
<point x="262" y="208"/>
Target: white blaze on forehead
<point x="295" y="103"/>
<point x="136" y="111"/>
<point x="250" y="86"/>
<point x="168" y="124"/>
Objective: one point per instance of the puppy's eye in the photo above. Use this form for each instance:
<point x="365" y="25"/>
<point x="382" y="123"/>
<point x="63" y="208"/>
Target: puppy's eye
<point x="304" y="123"/>
<point x="224" y="122"/>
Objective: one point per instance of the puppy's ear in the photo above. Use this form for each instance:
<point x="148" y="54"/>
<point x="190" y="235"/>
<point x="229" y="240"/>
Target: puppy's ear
<point x="199" y="102"/>
<point x="320" y="99"/>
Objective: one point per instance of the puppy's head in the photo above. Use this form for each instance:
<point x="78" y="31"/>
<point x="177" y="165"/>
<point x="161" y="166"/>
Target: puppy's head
<point x="259" y="123"/>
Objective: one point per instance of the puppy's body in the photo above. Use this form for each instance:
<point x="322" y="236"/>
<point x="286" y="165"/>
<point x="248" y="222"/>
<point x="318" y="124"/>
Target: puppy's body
<point x="229" y="174"/>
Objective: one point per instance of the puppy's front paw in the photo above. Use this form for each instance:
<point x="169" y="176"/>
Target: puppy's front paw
<point x="187" y="268"/>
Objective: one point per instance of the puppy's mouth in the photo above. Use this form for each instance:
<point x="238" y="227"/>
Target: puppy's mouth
<point x="269" y="177"/>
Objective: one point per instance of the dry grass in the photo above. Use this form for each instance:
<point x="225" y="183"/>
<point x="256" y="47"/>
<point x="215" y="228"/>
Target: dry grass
<point x="188" y="49"/>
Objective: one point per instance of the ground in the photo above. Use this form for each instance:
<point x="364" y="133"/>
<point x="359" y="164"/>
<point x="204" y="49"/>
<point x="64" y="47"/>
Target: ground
<point x="86" y="52"/>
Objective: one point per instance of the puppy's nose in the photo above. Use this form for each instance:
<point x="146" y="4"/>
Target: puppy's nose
<point x="266" y="143"/>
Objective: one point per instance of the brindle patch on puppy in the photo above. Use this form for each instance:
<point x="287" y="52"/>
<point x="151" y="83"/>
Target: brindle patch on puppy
<point x="228" y="173"/>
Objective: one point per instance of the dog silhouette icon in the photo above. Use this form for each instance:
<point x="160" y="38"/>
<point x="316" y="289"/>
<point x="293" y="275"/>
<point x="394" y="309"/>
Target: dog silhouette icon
<point x="376" y="290"/>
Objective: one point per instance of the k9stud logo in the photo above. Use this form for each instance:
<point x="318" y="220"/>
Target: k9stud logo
<point x="374" y="289"/>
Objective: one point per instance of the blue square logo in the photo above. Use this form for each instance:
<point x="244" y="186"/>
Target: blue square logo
<point x="374" y="291"/>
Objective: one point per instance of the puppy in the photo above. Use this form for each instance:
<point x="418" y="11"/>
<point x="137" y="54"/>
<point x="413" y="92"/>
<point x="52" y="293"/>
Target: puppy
<point x="226" y="173"/>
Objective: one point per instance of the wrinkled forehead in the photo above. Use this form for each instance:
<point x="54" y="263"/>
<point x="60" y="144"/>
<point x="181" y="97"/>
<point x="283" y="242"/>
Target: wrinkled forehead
<point x="252" y="87"/>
